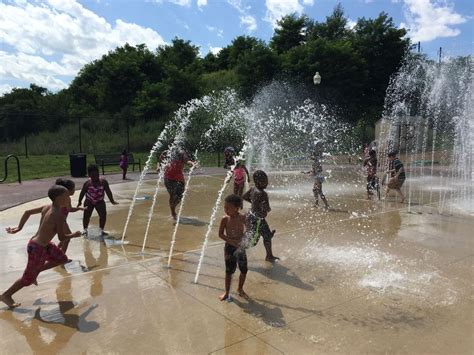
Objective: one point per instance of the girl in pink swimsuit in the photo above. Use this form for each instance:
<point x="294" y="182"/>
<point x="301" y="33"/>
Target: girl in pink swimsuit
<point x="94" y="189"/>
<point x="240" y="171"/>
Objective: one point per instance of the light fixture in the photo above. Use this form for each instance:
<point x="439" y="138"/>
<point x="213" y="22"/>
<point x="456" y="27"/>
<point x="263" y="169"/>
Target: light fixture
<point x="317" y="78"/>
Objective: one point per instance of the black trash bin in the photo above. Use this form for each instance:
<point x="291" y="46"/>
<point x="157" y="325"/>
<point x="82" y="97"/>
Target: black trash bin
<point x="78" y="164"/>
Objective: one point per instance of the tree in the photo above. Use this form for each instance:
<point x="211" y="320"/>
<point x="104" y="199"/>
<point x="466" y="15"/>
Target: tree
<point x="289" y="33"/>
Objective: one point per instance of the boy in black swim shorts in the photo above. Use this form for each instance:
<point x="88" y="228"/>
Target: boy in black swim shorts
<point x="231" y="230"/>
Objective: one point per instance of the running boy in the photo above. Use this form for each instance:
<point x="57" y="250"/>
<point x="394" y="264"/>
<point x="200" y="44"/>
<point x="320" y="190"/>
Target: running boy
<point x="255" y="219"/>
<point x="63" y="244"/>
<point x="231" y="230"/>
<point x="94" y="190"/>
<point x="240" y="171"/>
<point x="42" y="253"/>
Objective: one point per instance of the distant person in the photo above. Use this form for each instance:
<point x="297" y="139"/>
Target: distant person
<point x="231" y="230"/>
<point x="124" y="164"/>
<point x="240" y="173"/>
<point x="94" y="190"/>
<point x="366" y="150"/>
<point x="317" y="172"/>
<point x="255" y="220"/>
<point x="396" y="175"/>
<point x="370" y="163"/>
<point x="63" y="244"/>
<point x="42" y="253"/>
<point x="229" y="159"/>
<point x="174" y="176"/>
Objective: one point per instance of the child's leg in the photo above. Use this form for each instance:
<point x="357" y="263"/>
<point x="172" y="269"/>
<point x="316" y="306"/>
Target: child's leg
<point x="6" y="297"/>
<point x="323" y="198"/>
<point x="102" y="211"/>
<point x="87" y="214"/>
<point x="236" y="189"/>
<point x="230" y="267"/>
<point x="55" y="256"/>
<point x="316" y="193"/>
<point x="124" y="173"/>
<point x="399" y="191"/>
<point x="242" y="260"/>
<point x="267" y="240"/>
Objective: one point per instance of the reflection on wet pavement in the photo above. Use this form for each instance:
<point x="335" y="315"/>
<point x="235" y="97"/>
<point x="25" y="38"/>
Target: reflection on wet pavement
<point x="362" y="270"/>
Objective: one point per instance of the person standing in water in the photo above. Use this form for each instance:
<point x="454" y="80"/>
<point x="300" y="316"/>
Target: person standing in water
<point x="317" y="172"/>
<point x="174" y="178"/>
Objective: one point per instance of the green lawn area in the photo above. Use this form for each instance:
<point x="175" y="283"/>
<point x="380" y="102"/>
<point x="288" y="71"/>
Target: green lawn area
<point x="44" y="166"/>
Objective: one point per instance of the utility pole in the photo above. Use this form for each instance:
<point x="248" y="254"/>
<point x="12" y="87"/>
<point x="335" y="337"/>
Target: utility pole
<point x="440" y="54"/>
<point x="419" y="46"/>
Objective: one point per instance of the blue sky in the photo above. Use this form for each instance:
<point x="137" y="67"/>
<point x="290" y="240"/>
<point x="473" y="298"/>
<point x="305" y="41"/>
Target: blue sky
<point x="47" y="42"/>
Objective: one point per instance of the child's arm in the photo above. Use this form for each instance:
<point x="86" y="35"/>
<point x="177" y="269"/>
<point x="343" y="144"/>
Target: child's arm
<point x="23" y="220"/>
<point x="247" y="172"/>
<point x="82" y="193"/>
<point x="109" y="192"/>
<point x="222" y="226"/>
<point x="61" y="227"/>
<point x="246" y="196"/>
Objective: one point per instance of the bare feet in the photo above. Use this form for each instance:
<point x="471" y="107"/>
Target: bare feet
<point x="272" y="258"/>
<point x="224" y="297"/>
<point x="242" y="293"/>
<point x="8" y="300"/>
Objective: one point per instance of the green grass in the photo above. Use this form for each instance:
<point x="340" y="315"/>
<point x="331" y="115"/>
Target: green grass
<point x="44" y="166"/>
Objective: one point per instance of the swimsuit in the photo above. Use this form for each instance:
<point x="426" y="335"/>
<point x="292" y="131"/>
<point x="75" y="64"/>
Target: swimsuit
<point x="239" y="176"/>
<point x="38" y="256"/>
<point x="234" y="256"/>
<point x="95" y="194"/>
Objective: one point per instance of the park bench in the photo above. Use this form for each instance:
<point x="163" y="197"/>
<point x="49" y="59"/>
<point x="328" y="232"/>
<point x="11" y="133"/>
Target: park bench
<point x="114" y="160"/>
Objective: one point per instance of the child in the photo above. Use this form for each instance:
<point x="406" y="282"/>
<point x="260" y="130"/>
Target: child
<point x="174" y="176"/>
<point x="317" y="172"/>
<point x="124" y="164"/>
<point x="94" y="189"/>
<point x="397" y="175"/>
<point x="229" y="160"/>
<point x="63" y="244"/>
<point x="240" y="171"/>
<point x="371" y="165"/>
<point x="255" y="219"/>
<point x="231" y="230"/>
<point x="42" y="253"/>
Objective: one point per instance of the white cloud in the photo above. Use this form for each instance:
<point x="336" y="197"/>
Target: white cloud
<point x="246" y="20"/>
<point x="427" y="20"/>
<point x="56" y="38"/>
<point x="276" y="9"/>
<point x="220" y="33"/>
<point x="350" y="24"/>
<point x="201" y="3"/>
<point x="177" y="2"/>
<point x="214" y="50"/>
<point x="249" y="22"/>
<point x="5" y="88"/>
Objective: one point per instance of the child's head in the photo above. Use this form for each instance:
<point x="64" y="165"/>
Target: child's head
<point x="68" y="184"/>
<point x="232" y="205"/>
<point x="229" y="151"/>
<point x="124" y="152"/>
<point x="93" y="171"/>
<point x="260" y="179"/>
<point x="59" y="195"/>
<point x="372" y="153"/>
<point x="392" y="155"/>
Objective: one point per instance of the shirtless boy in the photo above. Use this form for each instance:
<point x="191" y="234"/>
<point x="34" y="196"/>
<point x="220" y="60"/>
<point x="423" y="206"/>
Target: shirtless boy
<point x="42" y="253"/>
<point x="231" y="230"/>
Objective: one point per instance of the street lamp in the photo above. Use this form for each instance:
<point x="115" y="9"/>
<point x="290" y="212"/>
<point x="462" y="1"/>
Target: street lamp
<point x="317" y="78"/>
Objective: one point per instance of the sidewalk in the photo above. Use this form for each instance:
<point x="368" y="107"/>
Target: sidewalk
<point x="14" y="194"/>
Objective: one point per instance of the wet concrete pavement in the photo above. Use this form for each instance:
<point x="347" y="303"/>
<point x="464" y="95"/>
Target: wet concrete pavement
<point x="363" y="277"/>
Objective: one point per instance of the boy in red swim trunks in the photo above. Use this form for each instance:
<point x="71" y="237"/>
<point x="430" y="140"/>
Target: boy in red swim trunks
<point x="42" y="253"/>
<point x="94" y="189"/>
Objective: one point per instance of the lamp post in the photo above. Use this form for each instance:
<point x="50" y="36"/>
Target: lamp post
<point x="317" y="78"/>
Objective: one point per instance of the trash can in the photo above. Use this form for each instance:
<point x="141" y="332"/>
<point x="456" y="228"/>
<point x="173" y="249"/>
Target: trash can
<point x="78" y="163"/>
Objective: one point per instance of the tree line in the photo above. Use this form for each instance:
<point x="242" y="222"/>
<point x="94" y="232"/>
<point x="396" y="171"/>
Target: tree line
<point x="138" y="85"/>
